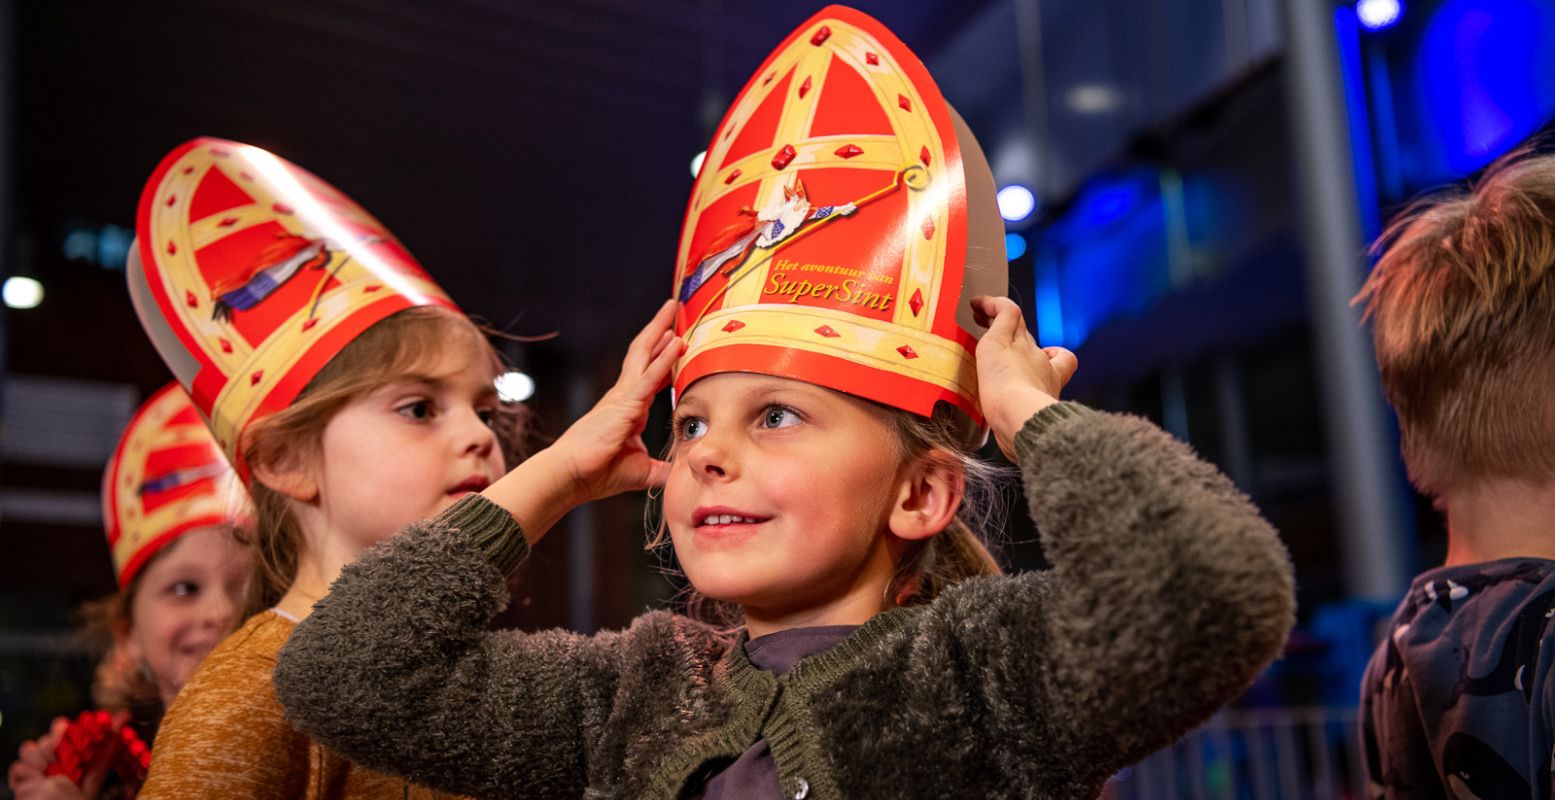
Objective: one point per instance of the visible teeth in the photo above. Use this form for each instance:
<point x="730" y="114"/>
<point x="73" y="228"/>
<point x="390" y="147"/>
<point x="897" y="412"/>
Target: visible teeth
<point x="726" y="519"/>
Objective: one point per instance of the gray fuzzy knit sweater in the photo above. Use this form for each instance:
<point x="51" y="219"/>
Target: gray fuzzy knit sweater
<point x="1167" y="595"/>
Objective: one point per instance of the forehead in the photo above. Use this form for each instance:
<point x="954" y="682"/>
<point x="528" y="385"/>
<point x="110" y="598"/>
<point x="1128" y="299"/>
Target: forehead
<point x="457" y="358"/>
<point x="724" y="384"/>
<point x="724" y="387"/>
<point x="205" y="546"/>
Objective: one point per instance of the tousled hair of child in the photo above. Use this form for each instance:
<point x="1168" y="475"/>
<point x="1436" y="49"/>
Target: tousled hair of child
<point x="1462" y="303"/>
<point x="118" y="683"/>
<point x="926" y="567"/>
<point x="397" y="345"/>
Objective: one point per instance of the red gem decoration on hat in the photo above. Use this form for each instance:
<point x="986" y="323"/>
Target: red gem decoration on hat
<point x="916" y="303"/>
<point x="768" y="79"/>
<point x="172" y="249"/>
<point x="227" y="222"/>
<point x="784" y="157"/>
<point x="849" y="151"/>
<point x="804" y="88"/>
<point x="826" y="330"/>
<point x="732" y="176"/>
<point x="923" y="155"/>
<point x="902" y="101"/>
<point x="171" y="199"/>
<point x="373" y="288"/>
<point x="281" y="208"/>
<point x="189" y="298"/>
<point x="928" y="227"/>
<point x="872" y="59"/>
<point x="253" y="380"/>
<point x="226" y="346"/>
<point x="907" y="351"/>
<point x="733" y="326"/>
<point x="821" y="36"/>
<point x="188" y="170"/>
<point x="219" y="153"/>
<point x="247" y="177"/>
<point x="307" y="326"/>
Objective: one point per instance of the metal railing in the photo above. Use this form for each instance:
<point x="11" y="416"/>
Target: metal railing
<point x="1255" y="754"/>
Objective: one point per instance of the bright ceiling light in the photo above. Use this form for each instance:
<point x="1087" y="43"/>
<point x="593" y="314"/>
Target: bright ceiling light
<point x="1016" y="202"/>
<point x="1378" y="14"/>
<point x="515" y="387"/>
<point x="22" y="293"/>
<point x="1094" y="98"/>
<point x="696" y="163"/>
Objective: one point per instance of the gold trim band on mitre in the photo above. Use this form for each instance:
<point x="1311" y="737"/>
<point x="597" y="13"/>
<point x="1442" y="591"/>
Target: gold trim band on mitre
<point x="869" y="343"/>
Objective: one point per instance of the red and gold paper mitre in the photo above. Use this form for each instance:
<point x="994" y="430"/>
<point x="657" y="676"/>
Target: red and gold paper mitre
<point x="166" y="478"/>
<point x="843" y="218"/>
<point x="250" y="273"/>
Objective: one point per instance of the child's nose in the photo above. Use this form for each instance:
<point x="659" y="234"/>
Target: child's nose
<point x="711" y="458"/>
<point x="476" y="436"/>
<point x="220" y="608"/>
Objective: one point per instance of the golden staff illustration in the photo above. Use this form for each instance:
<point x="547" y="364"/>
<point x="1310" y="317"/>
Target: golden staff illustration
<point x="914" y="176"/>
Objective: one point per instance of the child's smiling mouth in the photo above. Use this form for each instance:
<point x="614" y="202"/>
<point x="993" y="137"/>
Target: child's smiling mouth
<point x="721" y="517"/>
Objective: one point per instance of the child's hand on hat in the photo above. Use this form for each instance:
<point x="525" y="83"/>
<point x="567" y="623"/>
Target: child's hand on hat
<point x="1015" y="377"/>
<point x="601" y="454"/>
<point x="603" y="451"/>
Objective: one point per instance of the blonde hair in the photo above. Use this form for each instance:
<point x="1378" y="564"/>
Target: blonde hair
<point x="1463" y="309"/>
<point x="927" y="567"/>
<point x="397" y="345"/>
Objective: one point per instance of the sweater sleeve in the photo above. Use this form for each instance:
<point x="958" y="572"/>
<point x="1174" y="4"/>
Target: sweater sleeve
<point x="396" y="670"/>
<point x="1168" y="593"/>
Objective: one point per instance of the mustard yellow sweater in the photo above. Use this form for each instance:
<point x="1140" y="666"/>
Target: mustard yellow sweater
<point x="225" y="736"/>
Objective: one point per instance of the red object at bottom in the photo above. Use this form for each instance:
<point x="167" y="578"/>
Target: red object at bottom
<point x="97" y="741"/>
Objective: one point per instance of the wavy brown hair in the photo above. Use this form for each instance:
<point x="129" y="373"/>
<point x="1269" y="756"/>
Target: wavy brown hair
<point x="118" y="683"/>
<point x="401" y="344"/>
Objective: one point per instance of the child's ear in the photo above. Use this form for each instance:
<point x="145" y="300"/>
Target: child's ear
<point x="927" y="496"/>
<point x="290" y="477"/>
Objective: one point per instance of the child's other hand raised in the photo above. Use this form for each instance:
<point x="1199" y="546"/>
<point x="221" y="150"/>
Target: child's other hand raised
<point x="603" y="451"/>
<point x="1015" y="377"/>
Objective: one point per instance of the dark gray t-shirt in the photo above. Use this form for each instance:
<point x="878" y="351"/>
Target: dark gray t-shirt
<point x="1456" y="701"/>
<point x="753" y="776"/>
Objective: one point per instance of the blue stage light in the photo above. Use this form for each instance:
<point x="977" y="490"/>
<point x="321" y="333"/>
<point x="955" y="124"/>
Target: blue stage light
<point x="1014" y="246"/>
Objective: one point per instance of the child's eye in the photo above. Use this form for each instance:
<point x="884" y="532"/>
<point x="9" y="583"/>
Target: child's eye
<point x="779" y="417"/>
<point x="688" y="428"/>
<point x="488" y="416"/>
<point x="417" y="410"/>
<point x="184" y="589"/>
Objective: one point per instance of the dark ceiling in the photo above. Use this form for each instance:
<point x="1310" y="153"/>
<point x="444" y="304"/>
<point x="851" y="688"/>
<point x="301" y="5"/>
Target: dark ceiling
<point x="535" y="156"/>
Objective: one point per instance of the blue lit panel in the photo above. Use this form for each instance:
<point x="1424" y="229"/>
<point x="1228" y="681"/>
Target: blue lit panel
<point x="1454" y="85"/>
<point x="1486" y="73"/>
<point x="1103" y="258"/>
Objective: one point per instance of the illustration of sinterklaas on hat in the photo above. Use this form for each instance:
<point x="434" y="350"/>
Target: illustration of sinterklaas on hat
<point x="250" y="273"/>
<point x="843" y="217"/>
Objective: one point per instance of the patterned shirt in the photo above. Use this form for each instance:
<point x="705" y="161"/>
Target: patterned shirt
<point x="1457" y="701"/>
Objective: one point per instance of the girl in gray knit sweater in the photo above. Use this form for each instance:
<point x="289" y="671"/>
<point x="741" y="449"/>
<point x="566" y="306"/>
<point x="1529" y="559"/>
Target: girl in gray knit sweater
<point x="818" y="516"/>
